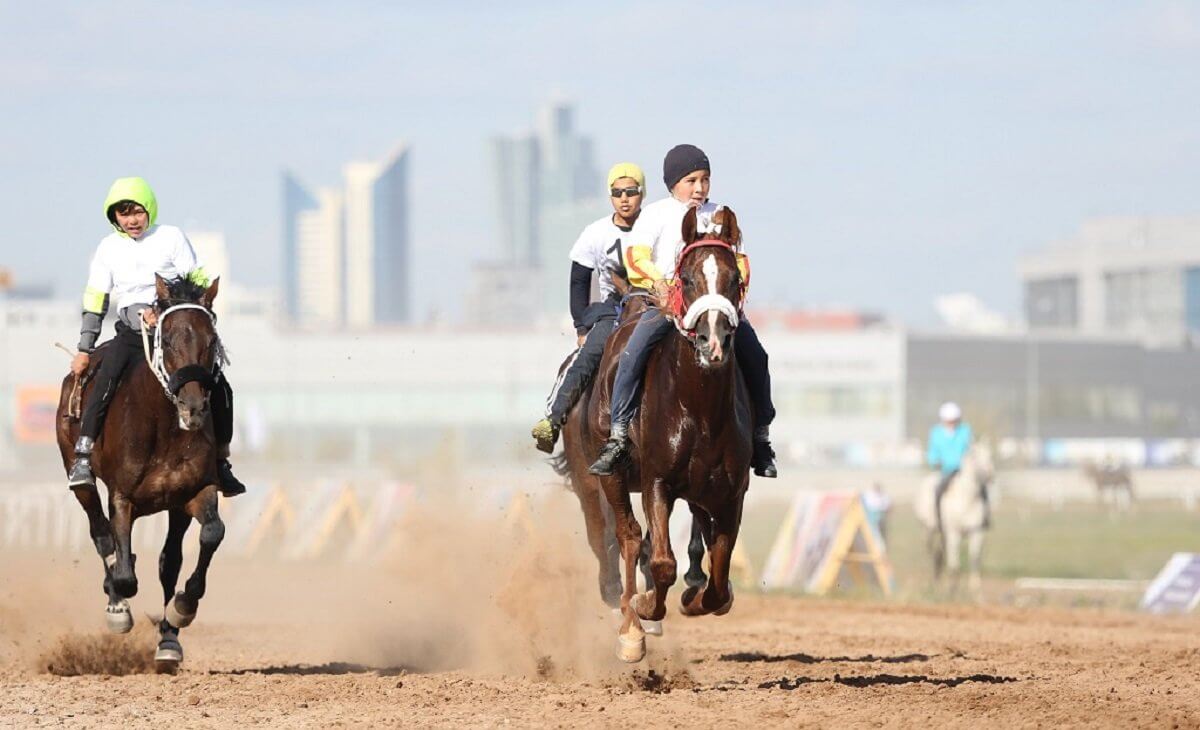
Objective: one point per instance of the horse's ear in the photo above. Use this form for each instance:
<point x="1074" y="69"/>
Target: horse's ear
<point x="210" y="293"/>
<point x="160" y="288"/>
<point x="689" y="226"/>
<point x="730" y="232"/>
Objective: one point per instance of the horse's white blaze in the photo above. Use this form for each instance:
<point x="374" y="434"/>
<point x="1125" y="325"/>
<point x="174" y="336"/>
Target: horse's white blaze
<point x="710" y="273"/>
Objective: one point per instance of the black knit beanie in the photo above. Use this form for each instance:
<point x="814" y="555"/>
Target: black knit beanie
<point x="681" y="160"/>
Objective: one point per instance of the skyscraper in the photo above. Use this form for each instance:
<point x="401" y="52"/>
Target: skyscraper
<point x="211" y="250"/>
<point x="546" y="190"/>
<point x="376" y="240"/>
<point x="320" y="261"/>
<point x="516" y="177"/>
<point x="346" y="259"/>
<point x="296" y="199"/>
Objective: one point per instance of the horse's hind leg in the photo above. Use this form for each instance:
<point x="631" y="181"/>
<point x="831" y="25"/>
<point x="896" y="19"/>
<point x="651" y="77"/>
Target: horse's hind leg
<point x="717" y="596"/>
<point x="602" y="540"/>
<point x="170" y="651"/>
<point x="203" y="508"/>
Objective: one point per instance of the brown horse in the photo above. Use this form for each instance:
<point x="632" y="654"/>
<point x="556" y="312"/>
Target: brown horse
<point x="691" y="438"/>
<point x="157" y="452"/>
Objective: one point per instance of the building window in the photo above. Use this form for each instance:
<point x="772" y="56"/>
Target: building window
<point x="1052" y="303"/>
<point x="1192" y="299"/>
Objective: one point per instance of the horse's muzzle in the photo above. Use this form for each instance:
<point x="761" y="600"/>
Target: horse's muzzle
<point x="192" y="407"/>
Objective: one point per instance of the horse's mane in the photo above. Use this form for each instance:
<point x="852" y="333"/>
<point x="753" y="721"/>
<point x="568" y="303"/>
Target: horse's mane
<point x="181" y="290"/>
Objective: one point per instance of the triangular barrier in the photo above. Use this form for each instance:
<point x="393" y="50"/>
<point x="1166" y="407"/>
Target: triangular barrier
<point x="827" y="542"/>
<point x="257" y="516"/>
<point x="378" y="532"/>
<point x="1176" y="589"/>
<point x="331" y="509"/>
<point x="519" y="515"/>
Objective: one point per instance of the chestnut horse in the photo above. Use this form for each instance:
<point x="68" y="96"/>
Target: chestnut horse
<point x="691" y="439"/>
<point x="156" y="452"/>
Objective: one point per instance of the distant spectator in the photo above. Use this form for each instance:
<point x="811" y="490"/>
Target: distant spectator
<point x="877" y="504"/>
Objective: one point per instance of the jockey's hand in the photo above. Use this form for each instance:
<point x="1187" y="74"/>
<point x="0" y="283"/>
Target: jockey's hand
<point x="662" y="291"/>
<point x="150" y="316"/>
<point x="580" y="340"/>
<point x="79" y="363"/>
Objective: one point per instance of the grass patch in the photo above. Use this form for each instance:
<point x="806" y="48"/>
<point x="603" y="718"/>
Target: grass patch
<point x="1077" y="541"/>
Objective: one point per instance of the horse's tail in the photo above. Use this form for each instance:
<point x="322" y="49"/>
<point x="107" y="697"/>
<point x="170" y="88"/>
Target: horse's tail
<point x="558" y="462"/>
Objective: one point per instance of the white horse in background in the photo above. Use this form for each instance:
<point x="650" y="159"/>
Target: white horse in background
<point x="964" y="517"/>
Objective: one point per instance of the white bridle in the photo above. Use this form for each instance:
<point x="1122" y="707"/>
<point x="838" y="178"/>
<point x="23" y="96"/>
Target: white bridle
<point x="154" y="358"/>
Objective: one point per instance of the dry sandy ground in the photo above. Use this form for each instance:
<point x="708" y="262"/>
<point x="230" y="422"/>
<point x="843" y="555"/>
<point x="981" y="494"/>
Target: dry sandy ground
<point x="468" y="628"/>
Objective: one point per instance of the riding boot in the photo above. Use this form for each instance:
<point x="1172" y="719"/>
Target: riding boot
<point x="81" y="471"/>
<point x="230" y="485"/>
<point x="545" y="432"/>
<point x="615" y="449"/>
<point x="763" y="459"/>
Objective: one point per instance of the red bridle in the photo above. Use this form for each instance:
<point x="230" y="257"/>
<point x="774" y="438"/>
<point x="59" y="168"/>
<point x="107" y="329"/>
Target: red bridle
<point x="675" y="296"/>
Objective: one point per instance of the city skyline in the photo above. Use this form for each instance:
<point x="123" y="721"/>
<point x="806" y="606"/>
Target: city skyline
<point x="345" y="250"/>
<point x="879" y="157"/>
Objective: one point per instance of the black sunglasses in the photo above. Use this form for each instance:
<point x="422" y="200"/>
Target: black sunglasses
<point x="626" y="192"/>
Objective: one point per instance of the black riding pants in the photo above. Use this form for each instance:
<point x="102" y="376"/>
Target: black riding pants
<point x="580" y="371"/>
<point x="122" y="353"/>
<point x="652" y="328"/>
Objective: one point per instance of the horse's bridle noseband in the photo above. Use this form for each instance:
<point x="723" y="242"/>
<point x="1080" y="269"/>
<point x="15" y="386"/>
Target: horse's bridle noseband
<point x="685" y="321"/>
<point x="172" y="383"/>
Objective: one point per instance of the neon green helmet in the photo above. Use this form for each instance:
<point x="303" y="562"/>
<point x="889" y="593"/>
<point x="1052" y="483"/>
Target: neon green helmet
<point x="130" y="188"/>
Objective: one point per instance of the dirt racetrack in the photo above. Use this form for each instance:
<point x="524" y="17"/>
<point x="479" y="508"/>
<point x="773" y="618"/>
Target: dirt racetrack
<point x="773" y="661"/>
<point x="515" y="636"/>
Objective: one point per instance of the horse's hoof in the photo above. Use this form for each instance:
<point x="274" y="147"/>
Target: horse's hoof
<point x="177" y="617"/>
<point x="685" y="601"/>
<point x="652" y="628"/>
<point x="118" y="617"/>
<point x="168" y="657"/>
<point x="728" y="604"/>
<point x="631" y="650"/>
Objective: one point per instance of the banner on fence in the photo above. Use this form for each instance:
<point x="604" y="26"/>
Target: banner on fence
<point x="1176" y="589"/>
<point x="827" y="542"/>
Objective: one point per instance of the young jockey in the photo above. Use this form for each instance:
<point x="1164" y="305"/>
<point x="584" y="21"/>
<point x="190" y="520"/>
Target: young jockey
<point x="598" y="249"/>
<point x="124" y="265"/>
<point x="650" y="252"/>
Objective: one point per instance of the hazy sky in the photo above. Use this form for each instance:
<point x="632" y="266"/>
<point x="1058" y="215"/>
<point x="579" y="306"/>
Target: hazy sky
<point x="878" y="154"/>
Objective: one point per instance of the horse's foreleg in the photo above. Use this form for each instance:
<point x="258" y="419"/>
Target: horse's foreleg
<point x="203" y="508"/>
<point x="101" y="531"/>
<point x="171" y="559"/>
<point x="953" y="557"/>
<point x="170" y="652"/>
<point x="631" y="638"/>
<point x="657" y="505"/>
<point x="717" y="596"/>
<point x="695" y="577"/>
<point x="117" y="613"/>
<point x="975" y="565"/>
<point x="124" y="579"/>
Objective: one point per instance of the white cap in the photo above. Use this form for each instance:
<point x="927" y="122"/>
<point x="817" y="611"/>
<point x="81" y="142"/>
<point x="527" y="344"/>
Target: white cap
<point x="949" y="411"/>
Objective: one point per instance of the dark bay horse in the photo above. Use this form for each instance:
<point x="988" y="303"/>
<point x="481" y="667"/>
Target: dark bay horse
<point x="691" y="439"/>
<point x="157" y="452"/>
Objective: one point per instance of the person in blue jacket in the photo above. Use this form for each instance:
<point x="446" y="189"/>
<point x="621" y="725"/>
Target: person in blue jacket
<point x="949" y="442"/>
